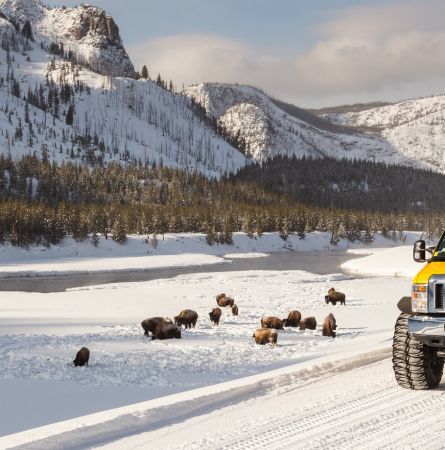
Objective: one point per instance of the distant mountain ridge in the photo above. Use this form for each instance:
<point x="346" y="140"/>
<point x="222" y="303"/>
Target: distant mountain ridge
<point x="70" y="92"/>
<point x="417" y="127"/>
<point x="271" y="127"/>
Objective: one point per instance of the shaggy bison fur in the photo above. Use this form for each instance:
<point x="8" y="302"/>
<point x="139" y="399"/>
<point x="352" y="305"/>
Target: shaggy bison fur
<point x="186" y="317"/>
<point x="225" y="301"/>
<point x="167" y="331"/>
<point x="329" y="325"/>
<point x="82" y="357"/>
<point x="334" y="297"/>
<point x="272" y="322"/>
<point x="264" y="336"/>
<point x="234" y="310"/>
<point x="215" y="315"/>
<point x="219" y="297"/>
<point x="149" y="325"/>
<point x="293" y="319"/>
<point x="309" y="323"/>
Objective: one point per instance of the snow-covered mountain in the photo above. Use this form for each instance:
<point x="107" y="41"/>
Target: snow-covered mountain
<point x="61" y="96"/>
<point x="68" y="91"/>
<point x="414" y="127"/>
<point x="270" y="127"/>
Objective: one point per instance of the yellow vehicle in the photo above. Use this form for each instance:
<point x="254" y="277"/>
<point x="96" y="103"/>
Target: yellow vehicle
<point x="419" y="334"/>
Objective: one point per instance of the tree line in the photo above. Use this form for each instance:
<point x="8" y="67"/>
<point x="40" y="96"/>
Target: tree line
<point x="349" y="184"/>
<point x="42" y="202"/>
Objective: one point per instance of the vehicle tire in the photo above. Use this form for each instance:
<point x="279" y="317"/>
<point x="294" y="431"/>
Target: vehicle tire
<point x="416" y="365"/>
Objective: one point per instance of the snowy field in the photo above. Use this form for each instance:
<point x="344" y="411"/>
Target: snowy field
<point x="40" y="334"/>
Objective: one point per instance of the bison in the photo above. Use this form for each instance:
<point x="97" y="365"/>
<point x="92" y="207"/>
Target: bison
<point x="293" y="319"/>
<point x="309" y="323"/>
<point x="334" y="297"/>
<point x="82" y="357"/>
<point x="186" y="317"/>
<point x="264" y="336"/>
<point x="167" y="331"/>
<point x="234" y="310"/>
<point x="149" y="325"/>
<point x="272" y="322"/>
<point x="329" y="325"/>
<point x="219" y="297"/>
<point x="215" y="315"/>
<point x="225" y="301"/>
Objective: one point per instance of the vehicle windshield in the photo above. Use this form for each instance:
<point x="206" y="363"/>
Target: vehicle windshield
<point x="439" y="251"/>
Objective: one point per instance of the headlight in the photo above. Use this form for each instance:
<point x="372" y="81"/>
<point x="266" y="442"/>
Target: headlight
<point x="419" y="298"/>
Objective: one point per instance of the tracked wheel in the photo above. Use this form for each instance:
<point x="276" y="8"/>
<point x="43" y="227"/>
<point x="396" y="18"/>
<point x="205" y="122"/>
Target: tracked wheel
<point x="416" y="365"/>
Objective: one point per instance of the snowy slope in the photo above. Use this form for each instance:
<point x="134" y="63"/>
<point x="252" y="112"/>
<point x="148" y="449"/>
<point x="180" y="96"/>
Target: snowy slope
<point x="415" y="127"/>
<point x="115" y="118"/>
<point x="268" y="130"/>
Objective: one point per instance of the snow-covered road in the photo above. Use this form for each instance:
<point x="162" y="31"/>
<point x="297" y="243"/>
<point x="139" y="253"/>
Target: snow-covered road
<point x="359" y="408"/>
<point x="348" y="404"/>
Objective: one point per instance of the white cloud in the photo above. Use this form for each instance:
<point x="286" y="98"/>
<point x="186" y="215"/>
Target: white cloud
<point x="363" y="53"/>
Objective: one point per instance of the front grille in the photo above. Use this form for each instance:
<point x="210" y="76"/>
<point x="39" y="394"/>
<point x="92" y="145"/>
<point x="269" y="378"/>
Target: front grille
<point x="438" y="296"/>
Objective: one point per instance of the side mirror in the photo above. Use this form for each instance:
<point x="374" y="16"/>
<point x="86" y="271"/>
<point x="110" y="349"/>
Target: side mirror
<point x="419" y="251"/>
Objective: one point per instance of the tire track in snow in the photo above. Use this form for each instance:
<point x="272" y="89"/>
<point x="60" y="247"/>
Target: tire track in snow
<point x="379" y="415"/>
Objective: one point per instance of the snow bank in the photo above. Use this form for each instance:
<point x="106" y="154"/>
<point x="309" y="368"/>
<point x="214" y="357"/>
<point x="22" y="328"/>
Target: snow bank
<point x="175" y="250"/>
<point x="392" y="262"/>
<point x="144" y="417"/>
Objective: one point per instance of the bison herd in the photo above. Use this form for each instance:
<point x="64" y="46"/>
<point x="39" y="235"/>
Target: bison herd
<point x="165" y="328"/>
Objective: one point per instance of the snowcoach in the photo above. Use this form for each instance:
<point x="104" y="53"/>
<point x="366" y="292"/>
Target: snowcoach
<point x="419" y="334"/>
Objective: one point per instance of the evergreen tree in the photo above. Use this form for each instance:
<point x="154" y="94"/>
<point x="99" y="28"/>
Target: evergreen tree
<point x="144" y="72"/>
<point x="27" y="30"/>
<point x="119" y="231"/>
<point x="70" y="116"/>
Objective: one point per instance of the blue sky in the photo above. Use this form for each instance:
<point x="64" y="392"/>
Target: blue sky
<point x="311" y="52"/>
<point x="278" y="23"/>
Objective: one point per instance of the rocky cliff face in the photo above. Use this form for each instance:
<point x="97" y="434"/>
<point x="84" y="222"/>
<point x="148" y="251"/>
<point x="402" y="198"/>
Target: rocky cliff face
<point x="96" y="22"/>
<point x="88" y="31"/>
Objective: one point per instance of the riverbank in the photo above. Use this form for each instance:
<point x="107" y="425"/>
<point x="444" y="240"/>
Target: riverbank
<point x="175" y="250"/>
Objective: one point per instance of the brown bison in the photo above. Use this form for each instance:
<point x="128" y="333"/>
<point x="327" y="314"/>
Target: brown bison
<point x="329" y="325"/>
<point x="167" y="331"/>
<point x="234" y="310"/>
<point x="219" y="297"/>
<point x="82" y="357"/>
<point x="293" y="319"/>
<point x="264" y="336"/>
<point x="149" y="325"/>
<point x="334" y="297"/>
<point x="215" y="315"/>
<point x="309" y="323"/>
<point x="186" y="317"/>
<point x="272" y="322"/>
<point x="225" y="301"/>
